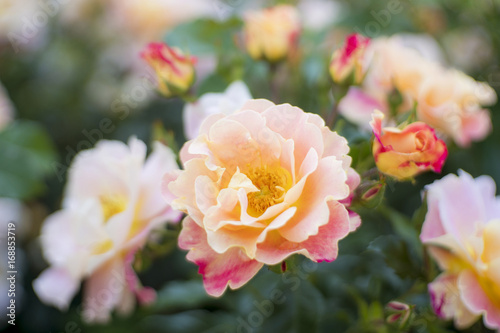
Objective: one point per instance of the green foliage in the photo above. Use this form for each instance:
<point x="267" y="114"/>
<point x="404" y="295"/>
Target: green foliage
<point x="205" y="36"/>
<point x="27" y="154"/>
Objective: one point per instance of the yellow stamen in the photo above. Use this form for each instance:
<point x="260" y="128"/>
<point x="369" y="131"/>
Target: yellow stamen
<point x="112" y="205"/>
<point x="272" y="184"/>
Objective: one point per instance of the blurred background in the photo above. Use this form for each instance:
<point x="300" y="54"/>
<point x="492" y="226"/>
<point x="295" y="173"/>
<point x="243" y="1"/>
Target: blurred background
<point x="71" y="74"/>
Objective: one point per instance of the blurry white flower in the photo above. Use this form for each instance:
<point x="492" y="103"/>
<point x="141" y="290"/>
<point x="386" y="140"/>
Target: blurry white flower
<point x="23" y="23"/>
<point x="112" y="202"/>
<point x="319" y="14"/>
<point x="230" y="100"/>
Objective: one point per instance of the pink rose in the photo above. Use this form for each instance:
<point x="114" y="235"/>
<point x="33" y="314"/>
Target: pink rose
<point x="260" y="185"/>
<point x="6" y="108"/>
<point x="112" y="202"/>
<point x="462" y="232"/>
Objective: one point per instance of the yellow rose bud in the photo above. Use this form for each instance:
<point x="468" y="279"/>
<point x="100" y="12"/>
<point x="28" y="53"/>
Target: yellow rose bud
<point x="272" y="33"/>
<point x="349" y="60"/>
<point x="405" y="153"/>
<point x="174" y="70"/>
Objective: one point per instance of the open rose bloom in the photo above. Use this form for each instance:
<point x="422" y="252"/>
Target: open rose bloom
<point x="462" y="232"/>
<point x="259" y="185"/>
<point x="404" y="153"/>
<point x="112" y="203"/>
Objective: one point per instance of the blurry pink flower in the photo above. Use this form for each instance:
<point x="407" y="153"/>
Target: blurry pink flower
<point x="405" y="153"/>
<point x="349" y="61"/>
<point x="211" y="103"/>
<point x="462" y="231"/>
<point x="112" y="202"/>
<point x="272" y="33"/>
<point x="358" y="106"/>
<point x="260" y="185"/>
<point x="452" y="102"/>
<point x="6" y="108"/>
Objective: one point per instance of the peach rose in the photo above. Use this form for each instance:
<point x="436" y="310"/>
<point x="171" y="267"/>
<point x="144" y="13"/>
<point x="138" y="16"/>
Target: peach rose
<point x="272" y="33"/>
<point x="112" y="202"/>
<point x="259" y="185"/>
<point x="405" y="153"/>
<point x="349" y="60"/>
<point x="174" y="70"/>
<point x="462" y="232"/>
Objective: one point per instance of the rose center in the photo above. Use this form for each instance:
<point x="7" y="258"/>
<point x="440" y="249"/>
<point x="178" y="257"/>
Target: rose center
<point x="112" y="205"/>
<point x="272" y="184"/>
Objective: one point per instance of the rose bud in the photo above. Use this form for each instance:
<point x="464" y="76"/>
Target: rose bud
<point x="399" y="312"/>
<point x="272" y="33"/>
<point x="347" y="64"/>
<point x="174" y="70"/>
<point x="405" y="153"/>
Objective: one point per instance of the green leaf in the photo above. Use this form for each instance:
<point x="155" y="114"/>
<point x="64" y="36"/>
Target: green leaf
<point x="398" y="256"/>
<point x="308" y="308"/>
<point x="205" y="36"/>
<point x="181" y="294"/>
<point x="27" y="154"/>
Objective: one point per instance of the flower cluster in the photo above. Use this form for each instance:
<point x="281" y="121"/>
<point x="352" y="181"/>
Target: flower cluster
<point x="446" y="99"/>
<point x="263" y="181"/>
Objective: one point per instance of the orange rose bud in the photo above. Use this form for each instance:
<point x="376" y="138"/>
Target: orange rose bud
<point x="174" y="70"/>
<point x="272" y="33"/>
<point x="405" y="153"/>
<point x="348" y="61"/>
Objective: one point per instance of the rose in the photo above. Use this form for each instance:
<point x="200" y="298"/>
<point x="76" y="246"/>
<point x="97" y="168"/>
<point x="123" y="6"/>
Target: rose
<point x="227" y="102"/>
<point x="260" y="185"/>
<point x="462" y="232"/>
<point x="451" y="102"/>
<point x="348" y="65"/>
<point x="405" y="153"/>
<point x="112" y="202"/>
<point x="174" y="70"/>
<point x="272" y="33"/>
